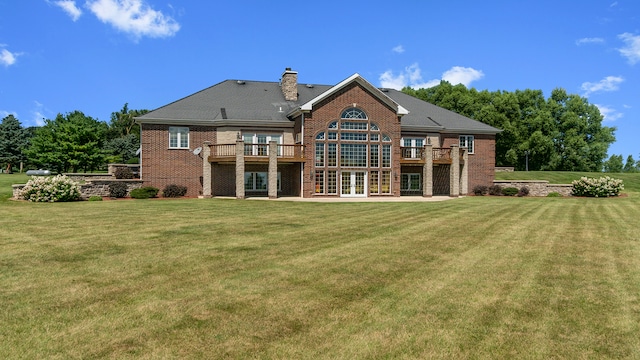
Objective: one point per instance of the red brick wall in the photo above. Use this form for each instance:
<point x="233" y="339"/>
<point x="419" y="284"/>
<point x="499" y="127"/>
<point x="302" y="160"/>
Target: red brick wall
<point x="162" y="166"/>
<point x="482" y="162"/>
<point x="330" y="110"/>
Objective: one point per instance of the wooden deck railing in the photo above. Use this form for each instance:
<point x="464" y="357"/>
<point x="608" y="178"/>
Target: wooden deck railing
<point x="257" y="150"/>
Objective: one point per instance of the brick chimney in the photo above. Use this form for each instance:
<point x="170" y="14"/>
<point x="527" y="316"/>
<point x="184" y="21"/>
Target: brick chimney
<point x="289" y="84"/>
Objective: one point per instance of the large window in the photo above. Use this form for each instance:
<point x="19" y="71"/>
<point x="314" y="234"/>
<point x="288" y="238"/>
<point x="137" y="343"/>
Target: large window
<point x="412" y="147"/>
<point x="410" y="182"/>
<point x="178" y="137"/>
<point x="466" y="142"/>
<point x="352" y="143"/>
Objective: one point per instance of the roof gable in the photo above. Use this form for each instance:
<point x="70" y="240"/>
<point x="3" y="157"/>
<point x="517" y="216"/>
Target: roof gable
<point x="308" y="106"/>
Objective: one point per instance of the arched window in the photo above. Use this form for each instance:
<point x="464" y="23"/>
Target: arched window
<point x="353" y="113"/>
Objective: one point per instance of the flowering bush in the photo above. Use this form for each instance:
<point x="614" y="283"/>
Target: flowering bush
<point x="602" y="187"/>
<point x="51" y="189"/>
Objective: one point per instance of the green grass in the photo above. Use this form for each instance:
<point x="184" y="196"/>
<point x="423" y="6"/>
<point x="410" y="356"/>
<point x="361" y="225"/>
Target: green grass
<point x="479" y="277"/>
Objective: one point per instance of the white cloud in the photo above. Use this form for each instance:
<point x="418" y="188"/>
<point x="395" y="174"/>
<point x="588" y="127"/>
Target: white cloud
<point x="134" y="17"/>
<point x="610" y="83"/>
<point x="7" y="58"/>
<point x="632" y="49"/>
<point x="412" y="76"/>
<point x="69" y="6"/>
<point x="608" y="113"/>
<point x="398" y="49"/>
<point x="585" y="41"/>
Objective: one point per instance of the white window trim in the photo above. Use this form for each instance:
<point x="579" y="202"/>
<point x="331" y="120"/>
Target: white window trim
<point x="253" y="189"/>
<point x="180" y="131"/>
<point x="464" y="141"/>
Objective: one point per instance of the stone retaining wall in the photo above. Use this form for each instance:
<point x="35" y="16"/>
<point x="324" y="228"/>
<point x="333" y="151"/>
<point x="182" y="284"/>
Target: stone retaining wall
<point x="537" y="187"/>
<point x="92" y="187"/>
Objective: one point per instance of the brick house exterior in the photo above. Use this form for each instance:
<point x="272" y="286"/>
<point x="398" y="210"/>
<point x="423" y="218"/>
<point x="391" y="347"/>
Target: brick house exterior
<point x="251" y="138"/>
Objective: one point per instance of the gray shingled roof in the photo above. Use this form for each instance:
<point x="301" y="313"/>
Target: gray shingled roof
<point x="264" y="101"/>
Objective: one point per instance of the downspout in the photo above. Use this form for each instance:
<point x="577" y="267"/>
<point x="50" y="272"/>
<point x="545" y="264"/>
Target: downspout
<point x="302" y="164"/>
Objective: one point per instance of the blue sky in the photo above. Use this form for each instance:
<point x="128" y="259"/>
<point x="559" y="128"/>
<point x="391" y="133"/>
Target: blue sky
<point x="96" y="55"/>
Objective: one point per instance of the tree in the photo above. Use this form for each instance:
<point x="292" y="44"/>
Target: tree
<point x="14" y="139"/>
<point x="630" y="165"/>
<point x="124" y="133"/>
<point x="123" y="122"/>
<point x="614" y="164"/>
<point x="563" y="132"/>
<point x="70" y="142"/>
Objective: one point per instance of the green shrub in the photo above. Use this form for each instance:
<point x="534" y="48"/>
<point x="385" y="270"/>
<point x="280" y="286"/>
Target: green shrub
<point x="495" y="190"/>
<point x="123" y="172"/>
<point x="95" y="198"/>
<point x="509" y="191"/>
<point x="602" y="187"/>
<point x="554" y="194"/>
<point x="117" y="190"/>
<point x="144" y="192"/>
<point x="51" y="189"/>
<point x="480" y="190"/>
<point x="524" y="191"/>
<point x="133" y="160"/>
<point x="174" y="190"/>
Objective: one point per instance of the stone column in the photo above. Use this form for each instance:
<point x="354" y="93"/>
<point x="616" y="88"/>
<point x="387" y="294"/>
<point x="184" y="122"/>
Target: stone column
<point x="239" y="169"/>
<point x="464" y="174"/>
<point x="273" y="170"/>
<point x="454" y="173"/>
<point x="207" y="174"/>
<point x="427" y="172"/>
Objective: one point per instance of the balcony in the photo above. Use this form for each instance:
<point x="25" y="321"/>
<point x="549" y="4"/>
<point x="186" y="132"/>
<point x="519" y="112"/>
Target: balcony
<point x="256" y="153"/>
<point x="416" y="155"/>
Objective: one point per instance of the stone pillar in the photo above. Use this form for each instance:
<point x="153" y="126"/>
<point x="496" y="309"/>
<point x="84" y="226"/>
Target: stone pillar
<point x="454" y="172"/>
<point x="427" y="172"/>
<point x="239" y="169"/>
<point x="273" y="170"/>
<point x="464" y="173"/>
<point x="207" y="174"/>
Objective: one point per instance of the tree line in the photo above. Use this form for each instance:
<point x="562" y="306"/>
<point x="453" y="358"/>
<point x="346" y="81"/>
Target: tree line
<point x="561" y="133"/>
<point x="71" y="142"/>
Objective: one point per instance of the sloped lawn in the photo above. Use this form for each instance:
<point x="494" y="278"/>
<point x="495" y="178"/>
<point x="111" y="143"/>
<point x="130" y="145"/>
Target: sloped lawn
<point x="479" y="277"/>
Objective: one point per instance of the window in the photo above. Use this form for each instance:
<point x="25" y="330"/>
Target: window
<point x="412" y="148"/>
<point x="319" y="182"/>
<point x="258" y="181"/>
<point x="466" y="142"/>
<point x="178" y="137"/>
<point x="410" y="182"/>
<point x="319" y="154"/>
<point x="353" y="155"/>
<point x="350" y="125"/>
<point x="258" y="144"/>
<point x="386" y="156"/>
<point x="353" y="113"/>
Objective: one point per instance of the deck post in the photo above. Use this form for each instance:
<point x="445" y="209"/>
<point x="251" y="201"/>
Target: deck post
<point x="427" y="172"/>
<point x="240" y="169"/>
<point x="272" y="179"/>
<point x="454" y="172"/>
<point x="207" y="174"/>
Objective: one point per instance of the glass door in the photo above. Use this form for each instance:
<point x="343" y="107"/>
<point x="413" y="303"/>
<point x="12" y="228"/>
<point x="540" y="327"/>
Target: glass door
<point x="353" y="184"/>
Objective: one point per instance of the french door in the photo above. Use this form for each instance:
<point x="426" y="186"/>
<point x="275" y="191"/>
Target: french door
<point x="353" y="183"/>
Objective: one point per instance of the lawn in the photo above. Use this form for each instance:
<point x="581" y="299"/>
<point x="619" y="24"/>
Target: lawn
<point x="477" y="277"/>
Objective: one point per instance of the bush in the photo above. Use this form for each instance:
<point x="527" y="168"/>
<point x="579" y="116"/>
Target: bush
<point x="117" y="190"/>
<point x="602" y="187"/>
<point x="51" y="189"/>
<point x="524" y="191"/>
<point x="174" y="191"/>
<point x="554" y="194"/>
<point x="145" y="192"/>
<point x="95" y="198"/>
<point x="123" y="172"/>
<point x="509" y="191"/>
<point x="480" y="190"/>
<point x="495" y="190"/>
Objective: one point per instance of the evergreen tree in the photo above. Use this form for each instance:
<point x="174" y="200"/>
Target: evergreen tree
<point x="14" y="139"/>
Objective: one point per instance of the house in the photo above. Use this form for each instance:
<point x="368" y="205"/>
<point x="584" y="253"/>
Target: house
<point x="254" y="138"/>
